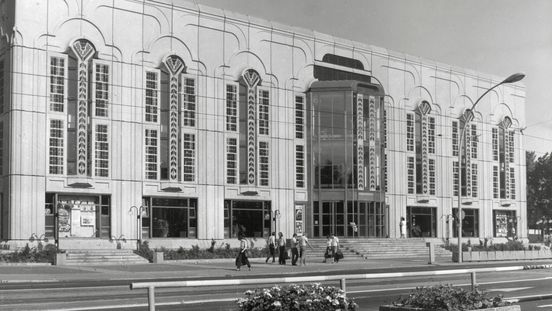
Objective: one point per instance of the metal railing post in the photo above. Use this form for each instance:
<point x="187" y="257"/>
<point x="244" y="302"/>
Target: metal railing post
<point x="343" y="285"/>
<point x="151" y="298"/>
<point x="473" y="280"/>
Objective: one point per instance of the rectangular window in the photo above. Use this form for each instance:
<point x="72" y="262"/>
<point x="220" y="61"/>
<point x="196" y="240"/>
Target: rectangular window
<point x="56" y="147"/>
<point x="432" y="176"/>
<point x="263" y="163"/>
<point x="511" y="149"/>
<point x="189" y="102"/>
<point x="495" y="182"/>
<point x="264" y="122"/>
<point x="173" y="218"/>
<point x="152" y="96"/>
<point x="384" y="128"/>
<point x="474" y="141"/>
<point x="299" y="117"/>
<point x="102" y="151"/>
<point x="189" y="157"/>
<point x="152" y="143"/>
<point x="431" y="135"/>
<point x="1" y="151"/>
<point x="495" y="143"/>
<point x="411" y="182"/>
<point x="409" y="132"/>
<point x="455" y="178"/>
<point x="300" y="166"/>
<point x="231" y="160"/>
<point x="474" y="180"/>
<point x="455" y="138"/>
<point x="512" y="183"/>
<point x="385" y="183"/>
<point x="231" y="108"/>
<point x="2" y="73"/>
<point x="57" y="84"/>
<point x="101" y="85"/>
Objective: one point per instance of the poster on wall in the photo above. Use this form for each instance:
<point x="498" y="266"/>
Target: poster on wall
<point x="299" y="219"/>
<point x="299" y="227"/>
<point x="501" y="225"/>
<point x="64" y="214"/>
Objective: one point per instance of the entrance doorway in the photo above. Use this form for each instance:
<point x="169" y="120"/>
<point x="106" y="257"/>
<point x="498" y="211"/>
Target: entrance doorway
<point x="332" y="217"/>
<point x="421" y="221"/>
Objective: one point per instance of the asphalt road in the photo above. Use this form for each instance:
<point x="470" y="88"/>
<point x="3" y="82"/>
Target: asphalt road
<point x="369" y="294"/>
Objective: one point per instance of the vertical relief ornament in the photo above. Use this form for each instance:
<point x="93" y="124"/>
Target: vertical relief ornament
<point x="372" y="131"/>
<point x="251" y="79"/>
<point x="84" y="50"/>
<point x="175" y="66"/>
<point x="360" y="141"/>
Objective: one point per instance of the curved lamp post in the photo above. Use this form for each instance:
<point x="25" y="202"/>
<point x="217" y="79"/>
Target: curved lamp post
<point x="468" y="117"/>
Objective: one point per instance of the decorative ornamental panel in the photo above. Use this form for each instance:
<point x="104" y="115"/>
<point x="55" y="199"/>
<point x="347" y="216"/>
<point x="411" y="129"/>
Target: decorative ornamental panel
<point x="175" y="65"/>
<point x="251" y="79"/>
<point x="372" y="131"/>
<point x="424" y="153"/>
<point x="467" y="160"/>
<point x="84" y="50"/>
<point x="360" y="140"/>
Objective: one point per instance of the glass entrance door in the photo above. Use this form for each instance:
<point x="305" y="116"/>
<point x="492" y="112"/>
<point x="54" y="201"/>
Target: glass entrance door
<point x="329" y="217"/>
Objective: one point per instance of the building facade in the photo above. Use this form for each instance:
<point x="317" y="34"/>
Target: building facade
<point x="178" y="124"/>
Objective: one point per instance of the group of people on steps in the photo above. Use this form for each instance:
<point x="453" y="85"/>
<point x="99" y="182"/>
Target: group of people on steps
<point x="275" y="245"/>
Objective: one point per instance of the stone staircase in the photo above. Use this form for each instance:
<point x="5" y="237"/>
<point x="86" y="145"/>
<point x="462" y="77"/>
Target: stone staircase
<point x="103" y="257"/>
<point x="382" y="248"/>
<point x="393" y="248"/>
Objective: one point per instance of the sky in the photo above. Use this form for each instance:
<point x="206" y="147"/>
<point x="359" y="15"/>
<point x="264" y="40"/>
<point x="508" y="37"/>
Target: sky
<point x="497" y="37"/>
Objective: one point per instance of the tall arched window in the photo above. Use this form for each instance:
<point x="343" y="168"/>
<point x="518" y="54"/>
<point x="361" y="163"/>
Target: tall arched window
<point x="248" y="129"/>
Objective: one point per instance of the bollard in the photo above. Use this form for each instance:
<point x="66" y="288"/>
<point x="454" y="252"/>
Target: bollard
<point x="473" y="281"/>
<point x="343" y="285"/>
<point x="158" y="257"/>
<point x="151" y="298"/>
<point x="431" y="247"/>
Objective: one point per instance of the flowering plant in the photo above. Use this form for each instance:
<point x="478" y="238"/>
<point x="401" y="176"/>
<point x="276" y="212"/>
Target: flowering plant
<point x="296" y="297"/>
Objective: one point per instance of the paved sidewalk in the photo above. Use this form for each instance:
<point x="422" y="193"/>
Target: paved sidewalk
<point x="222" y="269"/>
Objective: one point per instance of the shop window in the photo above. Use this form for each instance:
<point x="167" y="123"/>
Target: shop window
<point x="470" y="223"/>
<point x="173" y="218"/>
<point x="505" y="224"/>
<point x="251" y="218"/>
<point x="79" y="216"/>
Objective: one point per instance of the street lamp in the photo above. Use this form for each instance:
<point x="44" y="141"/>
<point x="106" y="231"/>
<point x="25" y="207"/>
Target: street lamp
<point x="139" y="211"/>
<point x="468" y="117"/>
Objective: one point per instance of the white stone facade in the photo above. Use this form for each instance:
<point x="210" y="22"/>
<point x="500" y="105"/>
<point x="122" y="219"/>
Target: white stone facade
<point x="216" y="48"/>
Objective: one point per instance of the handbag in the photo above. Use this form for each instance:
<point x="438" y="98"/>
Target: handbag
<point x="339" y="254"/>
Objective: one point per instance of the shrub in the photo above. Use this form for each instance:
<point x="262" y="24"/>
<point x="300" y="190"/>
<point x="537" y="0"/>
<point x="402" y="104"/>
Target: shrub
<point x="40" y="253"/>
<point x="296" y="297"/>
<point x="144" y="251"/>
<point x="224" y="251"/>
<point x="447" y="297"/>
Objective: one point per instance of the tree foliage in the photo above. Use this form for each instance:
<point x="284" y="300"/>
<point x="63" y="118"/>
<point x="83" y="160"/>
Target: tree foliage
<point x="539" y="182"/>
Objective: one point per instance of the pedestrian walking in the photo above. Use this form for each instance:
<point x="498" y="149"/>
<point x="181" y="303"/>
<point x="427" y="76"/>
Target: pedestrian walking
<point x="335" y="247"/>
<point x="242" y="259"/>
<point x="282" y="249"/>
<point x="271" y="242"/>
<point x="303" y="242"/>
<point x="294" y="250"/>
<point x="328" y="253"/>
<point x="402" y="226"/>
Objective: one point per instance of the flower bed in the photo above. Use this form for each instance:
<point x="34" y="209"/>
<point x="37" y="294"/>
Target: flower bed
<point x="449" y="298"/>
<point x="197" y="253"/>
<point x="502" y="255"/>
<point x="39" y="254"/>
<point x="296" y="297"/>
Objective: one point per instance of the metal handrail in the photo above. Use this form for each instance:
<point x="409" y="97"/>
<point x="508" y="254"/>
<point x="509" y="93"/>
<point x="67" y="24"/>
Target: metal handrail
<point x="302" y="279"/>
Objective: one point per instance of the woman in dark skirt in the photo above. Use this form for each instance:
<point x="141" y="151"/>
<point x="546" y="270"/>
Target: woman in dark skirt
<point x="242" y="259"/>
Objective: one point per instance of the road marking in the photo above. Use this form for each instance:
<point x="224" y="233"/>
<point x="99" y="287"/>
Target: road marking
<point x="544" y="306"/>
<point x="157" y="304"/>
<point x="507" y="290"/>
